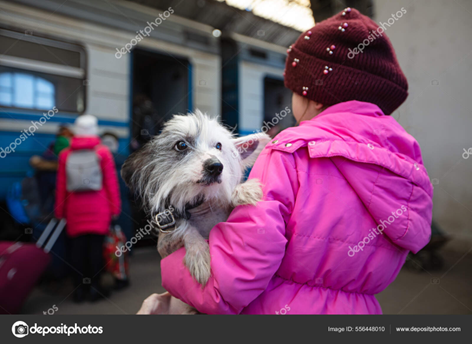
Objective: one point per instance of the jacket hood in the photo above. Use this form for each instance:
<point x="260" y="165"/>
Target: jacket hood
<point x="384" y="166"/>
<point x="84" y="142"/>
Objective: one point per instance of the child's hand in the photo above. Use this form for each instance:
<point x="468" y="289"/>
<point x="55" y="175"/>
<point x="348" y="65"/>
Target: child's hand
<point x="165" y="304"/>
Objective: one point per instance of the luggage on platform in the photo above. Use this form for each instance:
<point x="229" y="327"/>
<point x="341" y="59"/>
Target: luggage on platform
<point x="22" y="264"/>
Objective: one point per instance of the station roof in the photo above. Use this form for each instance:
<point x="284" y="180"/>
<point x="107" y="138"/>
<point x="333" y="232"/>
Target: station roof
<point x="224" y="16"/>
<point x="191" y="18"/>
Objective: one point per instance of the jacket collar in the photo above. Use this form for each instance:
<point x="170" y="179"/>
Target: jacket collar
<point x="353" y="107"/>
<point x="84" y="142"/>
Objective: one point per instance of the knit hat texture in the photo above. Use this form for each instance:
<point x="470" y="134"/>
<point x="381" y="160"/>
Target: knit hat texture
<point x="346" y="57"/>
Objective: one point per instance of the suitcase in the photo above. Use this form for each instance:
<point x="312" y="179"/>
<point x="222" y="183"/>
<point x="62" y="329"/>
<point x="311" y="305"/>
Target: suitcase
<point x="59" y="267"/>
<point x="22" y="264"/>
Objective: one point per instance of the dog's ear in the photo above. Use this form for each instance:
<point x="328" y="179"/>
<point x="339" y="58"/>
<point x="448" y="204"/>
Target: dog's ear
<point x="249" y="147"/>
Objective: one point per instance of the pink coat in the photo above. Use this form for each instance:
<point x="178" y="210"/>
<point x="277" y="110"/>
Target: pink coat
<point x="346" y="197"/>
<point x="88" y="212"/>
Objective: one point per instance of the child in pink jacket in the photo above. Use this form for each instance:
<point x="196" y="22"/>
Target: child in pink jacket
<point x="88" y="213"/>
<point x="346" y="195"/>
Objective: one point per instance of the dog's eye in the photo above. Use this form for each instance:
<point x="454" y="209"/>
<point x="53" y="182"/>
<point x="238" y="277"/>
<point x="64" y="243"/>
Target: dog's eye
<point x="181" y="146"/>
<point x="218" y="146"/>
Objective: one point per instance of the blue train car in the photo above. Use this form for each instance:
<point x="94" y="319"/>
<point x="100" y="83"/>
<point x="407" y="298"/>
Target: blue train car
<point x="106" y="58"/>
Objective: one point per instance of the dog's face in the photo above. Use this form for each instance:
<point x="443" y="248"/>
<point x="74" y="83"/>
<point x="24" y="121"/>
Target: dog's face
<point x="194" y="158"/>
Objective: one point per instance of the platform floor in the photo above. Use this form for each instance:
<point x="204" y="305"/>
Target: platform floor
<point x="442" y="292"/>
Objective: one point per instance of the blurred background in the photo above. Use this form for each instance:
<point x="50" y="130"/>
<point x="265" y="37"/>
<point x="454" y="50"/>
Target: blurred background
<point x="133" y="64"/>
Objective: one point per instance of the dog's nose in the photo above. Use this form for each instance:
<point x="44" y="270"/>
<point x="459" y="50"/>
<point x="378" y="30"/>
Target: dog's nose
<point x="213" y="167"/>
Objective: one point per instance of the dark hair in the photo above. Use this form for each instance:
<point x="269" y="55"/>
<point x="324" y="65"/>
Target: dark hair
<point x="109" y="133"/>
<point x="61" y="128"/>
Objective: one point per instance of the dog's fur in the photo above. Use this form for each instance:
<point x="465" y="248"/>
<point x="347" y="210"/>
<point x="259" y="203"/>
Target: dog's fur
<point x="164" y="177"/>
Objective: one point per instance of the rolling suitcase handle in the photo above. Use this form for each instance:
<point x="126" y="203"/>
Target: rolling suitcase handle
<point x="49" y="228"/>
<point x="46" y="233"/>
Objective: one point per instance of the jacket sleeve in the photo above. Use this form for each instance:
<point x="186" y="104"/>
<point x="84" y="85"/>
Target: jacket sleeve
<point x="61" y="191"/>
<point x="247" y="250"/>
<point x="110" y="181"/>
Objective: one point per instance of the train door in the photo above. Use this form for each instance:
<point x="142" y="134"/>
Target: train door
<point x="277" y="103"/>
<point x="160" y="88"/>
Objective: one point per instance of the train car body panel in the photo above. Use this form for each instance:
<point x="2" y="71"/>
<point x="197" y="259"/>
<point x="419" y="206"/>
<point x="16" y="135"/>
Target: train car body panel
<point x="256" y="62"/>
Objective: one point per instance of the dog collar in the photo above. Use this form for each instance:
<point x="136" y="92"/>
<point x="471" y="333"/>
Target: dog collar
<point x="165" y="221"/>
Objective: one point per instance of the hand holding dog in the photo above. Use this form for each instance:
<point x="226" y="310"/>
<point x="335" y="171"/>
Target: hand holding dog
<point x="165" y="304"/>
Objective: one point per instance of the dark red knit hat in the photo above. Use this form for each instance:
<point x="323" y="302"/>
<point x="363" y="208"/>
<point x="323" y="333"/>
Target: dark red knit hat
<point x="325" y="63"/>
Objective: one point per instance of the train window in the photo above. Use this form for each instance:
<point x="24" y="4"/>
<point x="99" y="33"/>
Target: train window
<point x="258" y="53"/>
<point x="27" y="91"/>
<point x="45" y="53"/>
<point x="38" y="73"/>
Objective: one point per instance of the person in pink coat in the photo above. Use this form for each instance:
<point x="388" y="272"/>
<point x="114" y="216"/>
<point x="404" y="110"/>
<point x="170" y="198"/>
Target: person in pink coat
<point x="346" y="194"/>
<point x="88" y="213"/>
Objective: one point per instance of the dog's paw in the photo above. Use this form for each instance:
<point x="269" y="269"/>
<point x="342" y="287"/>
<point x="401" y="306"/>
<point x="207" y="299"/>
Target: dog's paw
<point x="249" y="192"/>
<point x="168" y="243"/>
<point x="197" y="259"/>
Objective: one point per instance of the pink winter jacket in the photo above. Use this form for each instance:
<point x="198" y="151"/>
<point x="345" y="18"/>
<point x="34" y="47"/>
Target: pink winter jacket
<point x="88" y="212"/>
<point x="346" y="197"/>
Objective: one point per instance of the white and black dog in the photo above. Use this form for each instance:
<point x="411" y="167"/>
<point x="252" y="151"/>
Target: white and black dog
<point x="189" y="178"/>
